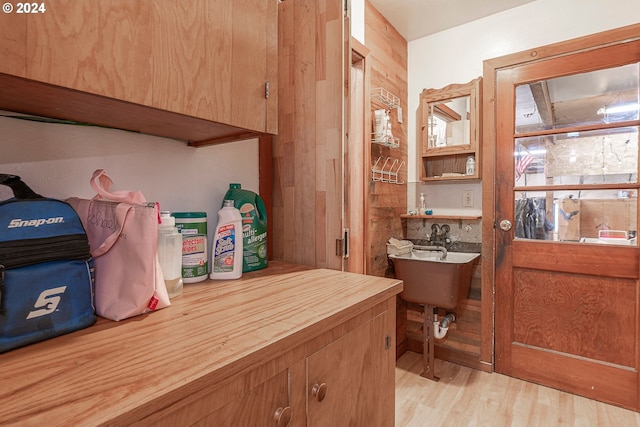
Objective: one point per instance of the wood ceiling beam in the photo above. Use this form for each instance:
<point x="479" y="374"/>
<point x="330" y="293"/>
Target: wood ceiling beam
<point x="540" y="92"/>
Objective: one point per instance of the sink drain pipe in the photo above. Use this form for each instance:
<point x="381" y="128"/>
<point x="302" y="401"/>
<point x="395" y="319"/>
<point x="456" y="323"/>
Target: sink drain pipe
<point x="433" y="330"/>
<point x="441" y="328"/>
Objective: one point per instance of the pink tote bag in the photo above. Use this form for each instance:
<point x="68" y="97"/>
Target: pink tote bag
<point x="122" y="228"/>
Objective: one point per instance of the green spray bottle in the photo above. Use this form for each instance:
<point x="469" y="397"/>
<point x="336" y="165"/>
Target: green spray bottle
<point x="254" y="226"/>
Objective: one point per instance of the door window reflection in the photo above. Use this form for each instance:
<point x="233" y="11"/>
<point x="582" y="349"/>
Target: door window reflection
<point x="598" y="97"/>
<point x="575" y="157"/>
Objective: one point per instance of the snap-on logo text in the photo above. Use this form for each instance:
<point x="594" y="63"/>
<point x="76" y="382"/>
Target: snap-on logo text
<point x="18" y="222"/>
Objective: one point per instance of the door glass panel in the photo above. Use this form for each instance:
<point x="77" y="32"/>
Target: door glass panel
<point x="602" y="216"/>
<point x="606" y="156"/>
<point x="596" y="97"/>
<point x="576" y="157"/>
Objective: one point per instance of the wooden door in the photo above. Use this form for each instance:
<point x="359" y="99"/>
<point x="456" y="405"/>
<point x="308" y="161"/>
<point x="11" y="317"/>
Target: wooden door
<point x="566" y="311"/>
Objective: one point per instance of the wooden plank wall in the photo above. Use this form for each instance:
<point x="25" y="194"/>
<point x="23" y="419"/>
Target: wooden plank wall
<point x="387" y="64"/>
<point x="307" y="152"/>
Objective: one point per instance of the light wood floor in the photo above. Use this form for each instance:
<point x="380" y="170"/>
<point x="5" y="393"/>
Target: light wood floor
<point x="468" y="397"/>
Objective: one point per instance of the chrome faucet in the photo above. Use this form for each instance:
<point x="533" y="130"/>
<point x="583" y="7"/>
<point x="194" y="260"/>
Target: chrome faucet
<point x="440" y="234"/>
<point x="440" y="249"/>
<point x="435" y="230"/>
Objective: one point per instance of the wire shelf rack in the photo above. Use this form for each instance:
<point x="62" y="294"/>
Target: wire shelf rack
<point x="385" y="98"/>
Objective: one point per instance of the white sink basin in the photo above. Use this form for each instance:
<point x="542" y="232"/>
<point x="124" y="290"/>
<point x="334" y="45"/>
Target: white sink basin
<point x="452" y="257"/>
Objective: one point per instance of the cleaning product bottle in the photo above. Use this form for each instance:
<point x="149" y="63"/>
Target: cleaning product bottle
<point x="170" y="254"/>
<point x="254" y="226"/>
<point x="195" y="258"/>
<point x="227" y="244"/>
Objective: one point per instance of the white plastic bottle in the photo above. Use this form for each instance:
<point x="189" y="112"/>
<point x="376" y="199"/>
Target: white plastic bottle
<point x="170" y="254"/>
<point x="227" y="244"/>
<point x="471" y="166"/>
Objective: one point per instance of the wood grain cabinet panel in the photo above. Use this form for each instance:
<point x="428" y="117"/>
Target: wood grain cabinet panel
<point x="196" y="70"/>
<point x="347" y="380"/>
<point x="13" y="46"/>
<point x="99" y="47"/>
<point x="265" y="405"/>
<point x="243" y="352"/>
<point x="192" y="54"/>
<point x="241" y="403"/>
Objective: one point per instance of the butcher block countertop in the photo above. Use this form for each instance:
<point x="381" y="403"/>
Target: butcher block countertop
<point x="106" y="373"/>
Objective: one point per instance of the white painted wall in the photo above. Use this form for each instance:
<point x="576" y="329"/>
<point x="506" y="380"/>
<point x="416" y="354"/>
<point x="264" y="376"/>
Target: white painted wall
<point x="57" y="161"/>
<point x="457" y="55"/>
<point x="356" y="15"/>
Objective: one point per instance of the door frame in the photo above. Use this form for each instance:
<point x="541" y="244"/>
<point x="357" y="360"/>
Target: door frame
<point x="356" y="157"/>
<point x="489" y="226"/>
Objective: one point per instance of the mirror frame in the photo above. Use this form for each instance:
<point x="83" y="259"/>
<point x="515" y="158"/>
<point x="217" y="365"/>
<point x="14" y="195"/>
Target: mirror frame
<point x="473" y="89"/>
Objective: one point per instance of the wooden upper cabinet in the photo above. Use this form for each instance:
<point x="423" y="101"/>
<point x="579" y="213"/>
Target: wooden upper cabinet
<point x="208" y="60"/>
<point x="192" y="53"/>
<point x="99" y="47"/>
<point x="13" y="44"/>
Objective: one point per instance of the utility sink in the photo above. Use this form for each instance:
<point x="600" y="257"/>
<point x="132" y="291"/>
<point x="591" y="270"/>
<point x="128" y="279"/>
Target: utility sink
<point x="435" y="277"/>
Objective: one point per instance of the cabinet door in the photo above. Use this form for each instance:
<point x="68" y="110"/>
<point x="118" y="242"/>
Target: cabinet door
<point x="13" y="43"/>
<point x="100" y="47"/>
<point x="351" y="381"/>
<point x="209" y="59"/>
<point x="254" y="40"/>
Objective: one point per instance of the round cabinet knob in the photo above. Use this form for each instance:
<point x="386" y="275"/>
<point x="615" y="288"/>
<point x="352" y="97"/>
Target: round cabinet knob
<point x="319" y="391"/>
<point x="505" y="225"/>
<point x="283" y="416"/>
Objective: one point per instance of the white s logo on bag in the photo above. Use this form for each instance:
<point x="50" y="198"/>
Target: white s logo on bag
<point x="47" y="302"/>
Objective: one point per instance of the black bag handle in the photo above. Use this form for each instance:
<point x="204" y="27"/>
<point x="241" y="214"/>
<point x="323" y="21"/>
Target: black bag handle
<point x="20" y="189"/>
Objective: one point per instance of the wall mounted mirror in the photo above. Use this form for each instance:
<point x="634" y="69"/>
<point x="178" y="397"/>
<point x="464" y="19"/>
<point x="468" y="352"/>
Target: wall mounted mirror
<point x="449" y="117"/>
<point x="448" y="122"/>
<point x="449" y="131"/>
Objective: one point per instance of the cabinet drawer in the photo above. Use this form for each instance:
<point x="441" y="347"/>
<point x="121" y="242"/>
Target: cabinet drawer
<point x="247" y="401"/>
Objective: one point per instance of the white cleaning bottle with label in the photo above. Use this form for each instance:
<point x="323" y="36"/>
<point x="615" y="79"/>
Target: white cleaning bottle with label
<point x="227" y="244"/>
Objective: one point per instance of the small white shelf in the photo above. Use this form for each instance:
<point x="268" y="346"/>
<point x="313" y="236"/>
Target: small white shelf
<point x="387" y="141"/>
<point x="385" y="98"/>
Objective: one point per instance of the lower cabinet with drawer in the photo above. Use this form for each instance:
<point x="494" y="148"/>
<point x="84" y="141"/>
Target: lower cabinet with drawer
<point x="309" y="348"/>
<point x="240" y="403"/>
<point x="346" y="377"/>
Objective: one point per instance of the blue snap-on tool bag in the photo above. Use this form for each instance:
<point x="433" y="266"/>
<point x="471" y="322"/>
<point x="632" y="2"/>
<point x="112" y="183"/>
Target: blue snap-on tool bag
<point x="46" y="270"/>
